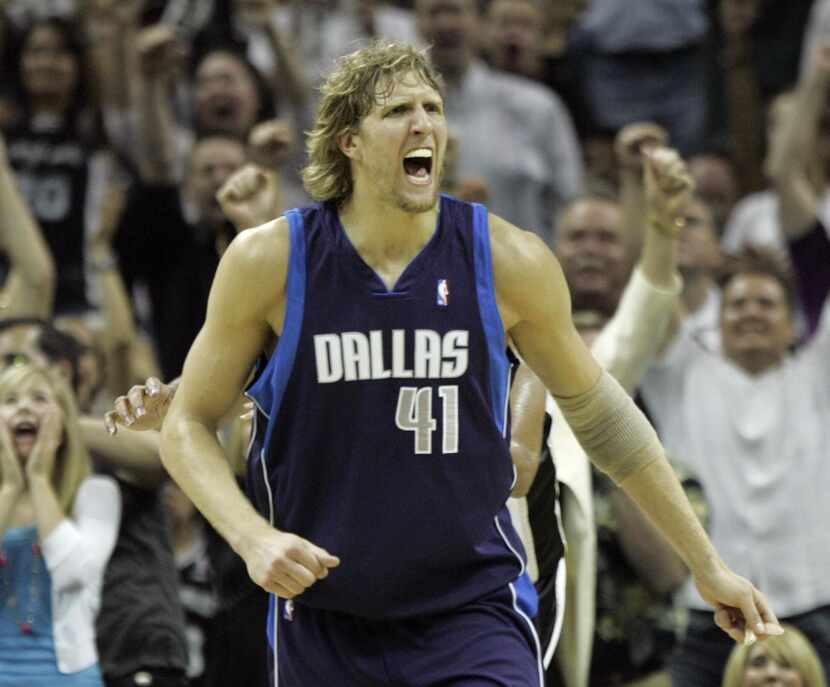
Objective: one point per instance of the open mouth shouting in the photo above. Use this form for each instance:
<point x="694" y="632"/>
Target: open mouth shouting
<point x="24" y="435"/>
<point x="220" y="111"/>
<point x="417" y="165"/>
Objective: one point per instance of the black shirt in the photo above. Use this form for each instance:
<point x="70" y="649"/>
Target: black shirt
<point x="52" y="170"/>
<point x="176" y="260"/>
<point x="141" y="623"/>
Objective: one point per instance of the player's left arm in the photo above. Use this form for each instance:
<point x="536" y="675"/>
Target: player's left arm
<point x="535" y="307"/>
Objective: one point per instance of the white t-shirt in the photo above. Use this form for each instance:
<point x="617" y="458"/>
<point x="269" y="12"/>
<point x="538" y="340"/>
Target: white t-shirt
<point x="759" y="446"/>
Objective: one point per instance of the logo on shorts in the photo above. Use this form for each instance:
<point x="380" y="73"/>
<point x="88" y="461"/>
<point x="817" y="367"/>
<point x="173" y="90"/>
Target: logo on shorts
<point x="443" y="293"/>
<point x="288" y="610"/>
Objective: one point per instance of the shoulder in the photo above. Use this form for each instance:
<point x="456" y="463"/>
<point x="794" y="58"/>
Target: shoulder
<point x="256" y="257"/>
<point x="261" y="245"/>
<point x="514" y="249"/>
<point x="528" y="279"/>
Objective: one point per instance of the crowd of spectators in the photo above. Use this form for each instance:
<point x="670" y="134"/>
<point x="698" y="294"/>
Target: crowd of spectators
<point x="138" y="137"/>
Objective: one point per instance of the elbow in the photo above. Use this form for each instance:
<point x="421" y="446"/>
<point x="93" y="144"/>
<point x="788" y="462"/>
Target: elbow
<point x="178" y="434"/>
<point x="171" y="438"/>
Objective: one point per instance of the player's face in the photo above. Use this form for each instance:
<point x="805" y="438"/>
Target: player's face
<point x="23" y="411"/>
<point x="593" y="254"/>
<point x="756" y="329"/>
<point x="398" y="150"/>
<point x="764" y="671"/>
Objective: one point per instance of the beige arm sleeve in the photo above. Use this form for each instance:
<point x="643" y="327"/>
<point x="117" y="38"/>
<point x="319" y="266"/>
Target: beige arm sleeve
<point x="611" y="429"/>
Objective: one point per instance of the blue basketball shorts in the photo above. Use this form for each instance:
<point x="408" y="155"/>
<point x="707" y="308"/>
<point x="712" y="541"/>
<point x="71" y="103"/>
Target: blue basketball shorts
<point x="490" y="642"/>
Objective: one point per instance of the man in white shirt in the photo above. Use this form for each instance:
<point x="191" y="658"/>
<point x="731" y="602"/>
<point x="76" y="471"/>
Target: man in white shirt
<point x="752" y="421"/>
<point x="752" y="425"/>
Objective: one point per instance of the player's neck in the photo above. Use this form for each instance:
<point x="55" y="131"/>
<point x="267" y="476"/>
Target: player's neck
<point x="383" y="230"/>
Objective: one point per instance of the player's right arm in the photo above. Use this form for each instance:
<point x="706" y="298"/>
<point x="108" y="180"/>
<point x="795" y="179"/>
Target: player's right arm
<point x="536" y="310"/>
<point x="247" y="300"/>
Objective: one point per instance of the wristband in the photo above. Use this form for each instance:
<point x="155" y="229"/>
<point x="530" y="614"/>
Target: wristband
<point x="671" y="229"/>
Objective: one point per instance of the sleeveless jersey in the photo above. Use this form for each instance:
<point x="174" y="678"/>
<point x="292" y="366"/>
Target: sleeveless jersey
<point x="381" y="431"/>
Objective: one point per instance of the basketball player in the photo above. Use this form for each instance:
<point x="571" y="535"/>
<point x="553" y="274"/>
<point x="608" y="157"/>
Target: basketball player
<point x="379" y="461"/>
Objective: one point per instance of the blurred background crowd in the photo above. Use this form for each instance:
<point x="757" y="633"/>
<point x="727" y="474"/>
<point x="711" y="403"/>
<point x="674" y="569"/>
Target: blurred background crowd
<point x="137" y="137"/>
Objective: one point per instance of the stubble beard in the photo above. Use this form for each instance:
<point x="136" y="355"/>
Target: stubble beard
<point x="418" y="206"/>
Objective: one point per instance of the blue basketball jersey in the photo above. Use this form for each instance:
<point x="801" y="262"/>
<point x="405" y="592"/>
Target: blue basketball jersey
<point x="381" y="431"/>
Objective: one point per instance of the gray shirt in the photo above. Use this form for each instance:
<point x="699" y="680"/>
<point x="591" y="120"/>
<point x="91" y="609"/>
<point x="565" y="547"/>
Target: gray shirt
<point x="518" y="136"/>
<point x="759" y="446"/>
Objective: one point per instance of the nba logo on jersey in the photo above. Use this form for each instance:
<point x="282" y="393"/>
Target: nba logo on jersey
<point x="443" y="295"/>
<point x="288" y="610"/>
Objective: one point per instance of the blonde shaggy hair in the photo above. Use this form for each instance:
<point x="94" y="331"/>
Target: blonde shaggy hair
<point x="792" y="648"/>
<point x="358" y="81"/>
<point x="72" y="464"/>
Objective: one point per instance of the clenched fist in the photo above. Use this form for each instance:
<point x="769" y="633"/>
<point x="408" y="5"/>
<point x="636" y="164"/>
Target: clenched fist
<point x="285" y="564"/>
<point x="669" y="187"/>
<point x="270" y="142"/>
<point x="160" y="52"/>
<point x="251" y="196"/>
<point x="634" y="140"/>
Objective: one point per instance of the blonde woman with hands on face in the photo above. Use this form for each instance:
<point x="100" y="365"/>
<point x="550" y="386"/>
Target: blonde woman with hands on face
<point x="58" y="524"/>
<point x="788" y="660"/>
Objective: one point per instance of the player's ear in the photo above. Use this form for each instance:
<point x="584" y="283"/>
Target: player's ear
<point x="347" y="142"/>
